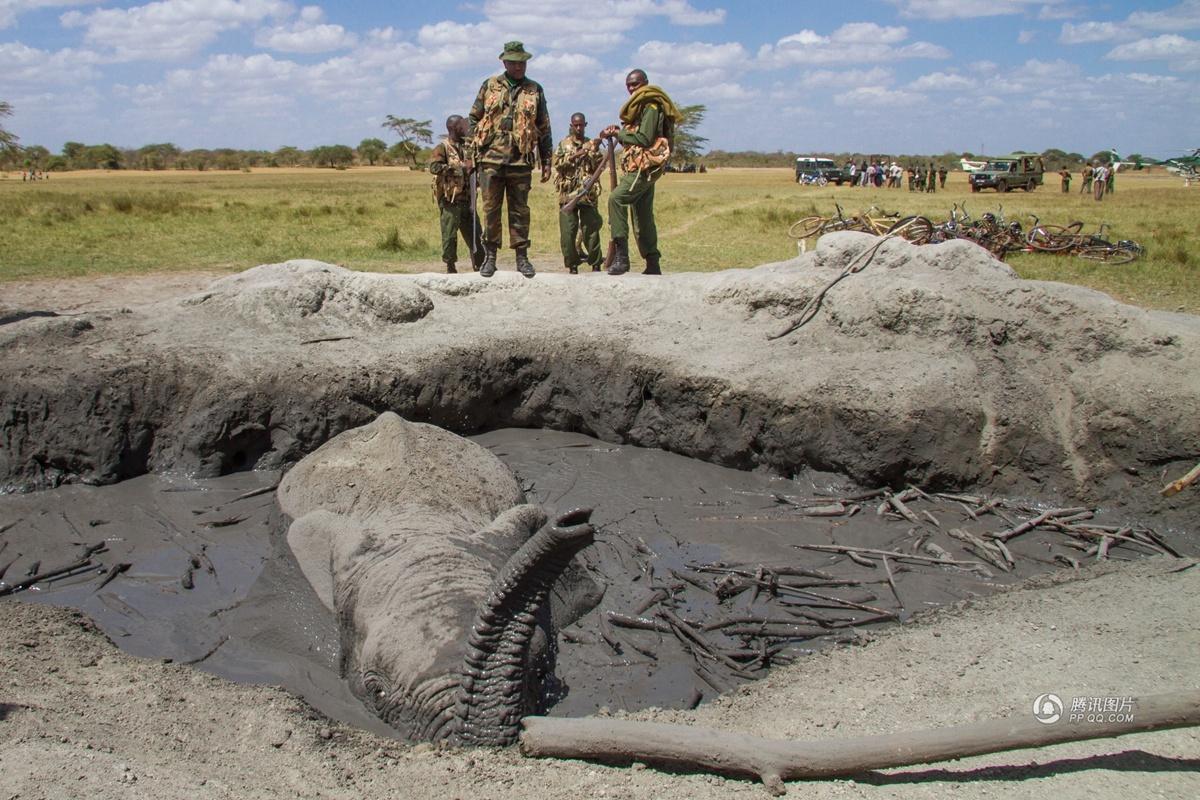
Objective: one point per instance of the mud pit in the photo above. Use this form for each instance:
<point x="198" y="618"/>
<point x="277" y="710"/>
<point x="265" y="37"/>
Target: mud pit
<point x="930" y="370"/>
<point x="210" y="581"/>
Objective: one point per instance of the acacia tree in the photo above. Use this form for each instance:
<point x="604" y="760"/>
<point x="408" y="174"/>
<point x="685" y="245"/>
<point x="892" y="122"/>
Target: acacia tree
<point x="334" y="155"/>
<point x="370" y="150"/>
<point x="688" y="143"/>
<point x="8" y="141"/>
<point x="410" y="131"/>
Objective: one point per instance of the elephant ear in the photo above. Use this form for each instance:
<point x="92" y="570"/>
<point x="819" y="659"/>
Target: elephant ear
<point x="311" y="539"/>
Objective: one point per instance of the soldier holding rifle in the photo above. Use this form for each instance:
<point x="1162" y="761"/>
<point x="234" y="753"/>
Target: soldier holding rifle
<point x="454" y="191"/>
<point x="576" y="160"/>
<point x="646" y="133"/>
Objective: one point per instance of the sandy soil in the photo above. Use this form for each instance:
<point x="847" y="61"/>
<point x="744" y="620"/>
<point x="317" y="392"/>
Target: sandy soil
<point x="78" y="718"/>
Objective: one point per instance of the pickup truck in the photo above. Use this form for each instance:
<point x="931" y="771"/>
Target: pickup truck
<point x="1018" y="171"/>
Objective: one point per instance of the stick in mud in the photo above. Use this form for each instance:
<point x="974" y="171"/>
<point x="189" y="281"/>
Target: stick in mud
<point x="43" y="576"/>
<point x="111" y="575"/>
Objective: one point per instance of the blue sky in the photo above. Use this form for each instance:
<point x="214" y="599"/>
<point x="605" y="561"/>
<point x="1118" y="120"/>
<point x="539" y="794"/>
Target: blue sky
<point x="892" y="76"/>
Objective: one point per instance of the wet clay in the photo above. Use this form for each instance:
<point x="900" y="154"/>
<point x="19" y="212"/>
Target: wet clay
<point x="211" y="582"/>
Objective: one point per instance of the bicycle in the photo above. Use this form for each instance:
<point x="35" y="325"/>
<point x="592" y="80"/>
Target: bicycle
<point x="1097" y="248"/>
<point x="1052" y="238"/>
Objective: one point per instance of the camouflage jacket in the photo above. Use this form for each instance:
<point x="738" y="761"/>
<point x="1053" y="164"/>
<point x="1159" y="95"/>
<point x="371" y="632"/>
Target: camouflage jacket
<point x="574" y="162"/>
<point x="647" y="128"/>
<point x="449" y="172"/>
<point x="510" y="123"/>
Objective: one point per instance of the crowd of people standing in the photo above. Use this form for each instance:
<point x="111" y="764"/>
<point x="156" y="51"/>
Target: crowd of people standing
<point x="921" y="177"/>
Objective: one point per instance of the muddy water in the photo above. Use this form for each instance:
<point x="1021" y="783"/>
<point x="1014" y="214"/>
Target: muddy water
<point x="210" y="582"/>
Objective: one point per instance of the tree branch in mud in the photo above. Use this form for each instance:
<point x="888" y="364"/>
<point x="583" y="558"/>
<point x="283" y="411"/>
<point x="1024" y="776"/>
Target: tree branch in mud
<point x="775" y="761"/>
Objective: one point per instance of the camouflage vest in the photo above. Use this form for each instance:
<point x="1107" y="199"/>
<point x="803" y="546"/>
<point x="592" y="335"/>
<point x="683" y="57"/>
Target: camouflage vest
<point x="635" y="158"/>
<point x="509" y="121"/>
<point x="571" y="170"/>
<point x="450" y="185"/>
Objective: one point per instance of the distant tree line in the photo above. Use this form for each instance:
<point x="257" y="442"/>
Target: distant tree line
<point x="76" y="155"/>
<point x="412" y="134"/>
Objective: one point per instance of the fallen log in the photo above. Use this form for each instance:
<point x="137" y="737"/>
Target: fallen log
<point x="1177" y="486"/>
<point x="774" y="761"/>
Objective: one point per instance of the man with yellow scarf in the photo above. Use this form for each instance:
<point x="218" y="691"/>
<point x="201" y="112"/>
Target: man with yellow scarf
<point x="646" y="133"/>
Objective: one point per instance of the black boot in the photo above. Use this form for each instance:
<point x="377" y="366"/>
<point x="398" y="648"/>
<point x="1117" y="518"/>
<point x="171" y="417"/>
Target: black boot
<point x="524" y="266"/>
<point x="488" y="268"/>
<point x="450" y="269"/>
<point x="620" y="262"/>
<point x="477" y="259"/>
<point x="652" y="267"/>
<point x="572" y="269"/>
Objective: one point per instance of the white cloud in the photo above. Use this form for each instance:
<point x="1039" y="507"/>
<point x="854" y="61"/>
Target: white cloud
<point x="1180" y="52"/>
<point x="804" y="38"/>
<point x="872" y="98"/>
<point x="309" y="34"/>
<point x="11" y="9"/>
<point x="598" y="25"/>
<point x="170" y="30"/>
<point x="1025" y="37"/>
<point x="1183" y="17"/>
<point x="943" y="82"/>
<point x="679" y="59"/>
<point x="1088" y="32"/>
<point x="1060" y="12"/>
<point x="680" y="12"/>
<point x="849" y="44"/>
<point x="869" y="33"/>
<point x="969" y="9"/>
<point x="28" y="66"/>
<point x="845" y="79"/>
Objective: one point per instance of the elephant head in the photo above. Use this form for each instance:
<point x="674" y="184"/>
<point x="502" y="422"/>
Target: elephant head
<point x="439" y="572"/>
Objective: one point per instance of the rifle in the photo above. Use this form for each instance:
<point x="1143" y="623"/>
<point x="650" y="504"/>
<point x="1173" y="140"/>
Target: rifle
<point x="474" y="184"/>
<point x="612" y="184"/>
<point x="570" y="205"/>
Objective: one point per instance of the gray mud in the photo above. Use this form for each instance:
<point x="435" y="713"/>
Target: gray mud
<point x="212" y="583"/>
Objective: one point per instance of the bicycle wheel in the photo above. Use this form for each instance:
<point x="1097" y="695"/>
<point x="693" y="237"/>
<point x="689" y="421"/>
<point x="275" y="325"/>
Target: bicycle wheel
<point x="1051" y="238"/>
<point x="1106" y="253"/>
<point x="806" y="228"/>
<point x="915" y="229"/>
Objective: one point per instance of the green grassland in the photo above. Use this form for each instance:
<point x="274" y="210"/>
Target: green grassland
<point x="384" y="219"/>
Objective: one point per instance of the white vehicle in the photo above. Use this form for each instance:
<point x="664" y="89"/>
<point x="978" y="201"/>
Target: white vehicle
<point x="821" y="171"/>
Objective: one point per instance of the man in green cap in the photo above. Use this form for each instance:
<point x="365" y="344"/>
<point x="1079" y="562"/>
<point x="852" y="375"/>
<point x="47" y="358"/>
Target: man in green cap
<point x="510" y="130"/>
<point x="646" y="133"/>
<point x="575" y="159"/>
<point x="452" y="192"/>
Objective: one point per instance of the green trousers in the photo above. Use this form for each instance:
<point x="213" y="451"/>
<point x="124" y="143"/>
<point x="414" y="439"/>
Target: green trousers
<point x="506" y="183"/>
<point x="635" y="193"/>
<point x="455" y="218"/>
<point x="583" y="220"/>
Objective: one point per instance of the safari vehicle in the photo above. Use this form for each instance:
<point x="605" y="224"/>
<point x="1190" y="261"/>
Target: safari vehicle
<point x="1017" y="171"/>
<point x="810" y="169"/>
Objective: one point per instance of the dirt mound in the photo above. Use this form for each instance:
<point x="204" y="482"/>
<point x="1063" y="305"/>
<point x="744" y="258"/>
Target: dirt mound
<point x="933" y="365"/>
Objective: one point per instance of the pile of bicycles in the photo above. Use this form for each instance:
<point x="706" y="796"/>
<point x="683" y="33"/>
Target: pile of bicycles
<point x="991" y="232"/>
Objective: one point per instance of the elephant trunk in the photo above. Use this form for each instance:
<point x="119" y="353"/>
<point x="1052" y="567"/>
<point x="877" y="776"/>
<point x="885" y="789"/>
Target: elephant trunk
<point x="492" y="696"/>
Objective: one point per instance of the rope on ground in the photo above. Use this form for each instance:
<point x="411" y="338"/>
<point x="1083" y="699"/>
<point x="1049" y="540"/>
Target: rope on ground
<point x="857" y="264"/>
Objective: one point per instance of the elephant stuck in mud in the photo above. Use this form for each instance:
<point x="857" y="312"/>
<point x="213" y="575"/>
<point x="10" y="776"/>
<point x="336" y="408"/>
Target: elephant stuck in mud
<point x="447" y="586"/>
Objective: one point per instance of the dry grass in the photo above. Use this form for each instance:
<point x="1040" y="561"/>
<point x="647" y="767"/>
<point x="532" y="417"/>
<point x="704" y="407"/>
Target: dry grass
<point x="383" y="219"/>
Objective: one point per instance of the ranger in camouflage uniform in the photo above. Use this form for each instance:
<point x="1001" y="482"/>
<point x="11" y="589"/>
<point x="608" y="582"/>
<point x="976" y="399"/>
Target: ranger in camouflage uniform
<point x="452" y="192"/>
<point x="647" y="129"/>
<point x="510" y="129"/>
<point x="576" y="158"/>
